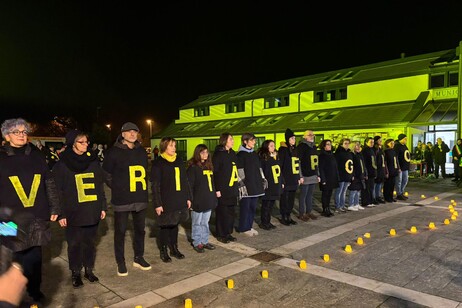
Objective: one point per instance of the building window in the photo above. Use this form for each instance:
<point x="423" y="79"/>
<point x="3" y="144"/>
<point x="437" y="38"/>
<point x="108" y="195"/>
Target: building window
<point x="453" y="79"/>
<point x="437" y="81"/>
<point x="211" y="144"/>
<point x="330" y="95"/>
<point x="181" y="149"/>
<point x="259" y="141"/>
<point x="202" y="111"/>
<point x="235" y="107"/>
<point x="276" y="102"/>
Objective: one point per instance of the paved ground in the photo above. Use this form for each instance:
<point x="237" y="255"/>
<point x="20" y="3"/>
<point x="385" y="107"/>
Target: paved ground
<point x="406" y="270"/>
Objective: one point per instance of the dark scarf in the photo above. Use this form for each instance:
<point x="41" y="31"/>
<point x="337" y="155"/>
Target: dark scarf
<point x="77" y="163"/>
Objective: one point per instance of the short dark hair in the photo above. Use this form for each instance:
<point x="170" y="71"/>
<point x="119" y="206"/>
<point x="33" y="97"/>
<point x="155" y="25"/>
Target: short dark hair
<point x="247" y="137"/>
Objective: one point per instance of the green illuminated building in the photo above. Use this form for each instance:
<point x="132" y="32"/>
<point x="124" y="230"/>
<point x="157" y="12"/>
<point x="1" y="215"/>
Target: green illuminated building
<point x="415" y="95"/>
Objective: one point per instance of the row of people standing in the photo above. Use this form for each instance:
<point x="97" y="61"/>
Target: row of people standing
<point x="434" y="157"/>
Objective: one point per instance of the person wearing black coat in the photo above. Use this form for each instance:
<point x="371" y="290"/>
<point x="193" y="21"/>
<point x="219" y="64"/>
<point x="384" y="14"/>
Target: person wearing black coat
<point x="358" y="181"/>
<point x="381" y="170"/>
<point x="226" y="180"/>
<point x="125" y="168"/>
<point x="291" y="173"/>
<point x="309" y="165"/>
<point x="204" y="198"/>
<point x="328" y="172"/>
<point x="404" y="160"/>
<point x="171" y="196"/>
<point x="79" y="178"/>
<point x="393" y="170"/>
<point x="439" y="157"/>
<point x="370" y="161"/>
<point x="29" y="192"/>
<point x="272" y="171"/>
<point x="456" y="157"/>
<point x="345" y="170"/>
<point x="252" y="183"/>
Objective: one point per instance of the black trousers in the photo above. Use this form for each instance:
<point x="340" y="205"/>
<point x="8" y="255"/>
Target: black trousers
<point x="388" y="188"/>
<point x="456" y="170"/>
<point x="266" y="209"/>
<point x="286" y="204"/>
<point x="168" y="235"/>
<point x="120" y="227"/>
<point x="31" y="261"/>
<point x="443" y="169"/>
<point x="366" y="193"/>
<point x="81" y="246"/>
<point x="224" y="218"/>
<point x="326" y="195"/>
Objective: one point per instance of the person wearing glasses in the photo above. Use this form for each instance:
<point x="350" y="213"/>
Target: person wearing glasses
<point x="125" y="168"/>
<point x="79" y="178"/>
<point x="28" y="189"/>
<point x="308" y="155"/>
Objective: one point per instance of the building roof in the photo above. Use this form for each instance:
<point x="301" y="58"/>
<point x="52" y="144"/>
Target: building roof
<point x="407" y="66"/>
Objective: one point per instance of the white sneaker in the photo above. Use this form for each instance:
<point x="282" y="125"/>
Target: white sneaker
<point x="359" y="207"/>
<point x="353" y="208"/>
<point x="371" y="205"/>
<point x="248" y="232"/>
<point x="255" y="232"/>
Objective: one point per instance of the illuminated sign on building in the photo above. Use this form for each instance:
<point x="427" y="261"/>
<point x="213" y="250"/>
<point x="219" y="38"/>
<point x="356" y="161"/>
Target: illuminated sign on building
<point x="445" y="93"/>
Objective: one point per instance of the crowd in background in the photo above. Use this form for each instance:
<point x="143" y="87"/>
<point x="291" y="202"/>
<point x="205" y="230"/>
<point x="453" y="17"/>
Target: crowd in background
<point x="41" y="185"/>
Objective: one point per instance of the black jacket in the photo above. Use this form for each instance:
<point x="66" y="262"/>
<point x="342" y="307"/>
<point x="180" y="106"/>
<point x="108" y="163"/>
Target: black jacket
<point x="439" y="153"/>
<point x="381" y="166"/>
<point x="27" y="188"/>
<point x="344" y="163"/>
<point x="126" y="173"/>
<point x="404" y="156"/>
<point x="456" y="152"/>
<point x="370" y="161"/>
<point x="328" y="170"/>
<point x="290" y="167"/>
<point x="80" y="183"/>
<point x="170" y="186"/>
<point x="272" y="171"/>
<point x="202" y="187"/>
<point x="225" y="174"/>
<point x="248" y="166"/>
<point x="391" y="161"/>
<point x="359" y="173"/>
<point x="308" y="155"/>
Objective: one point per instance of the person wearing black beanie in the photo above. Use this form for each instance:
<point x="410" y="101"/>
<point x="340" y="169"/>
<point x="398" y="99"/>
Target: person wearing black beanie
<point x="291" y="174"/>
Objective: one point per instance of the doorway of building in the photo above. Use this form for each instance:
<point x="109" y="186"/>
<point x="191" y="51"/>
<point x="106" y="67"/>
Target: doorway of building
<point x="448" y="134"/>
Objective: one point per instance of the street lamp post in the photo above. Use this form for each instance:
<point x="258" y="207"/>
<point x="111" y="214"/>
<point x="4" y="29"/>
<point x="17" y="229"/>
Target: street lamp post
<point x="150" y="127"/>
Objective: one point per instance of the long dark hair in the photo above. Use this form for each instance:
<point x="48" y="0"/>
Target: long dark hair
<point x="223" y="139"/>
<point x="263" y="151"/>
<point x="196" y="159"/>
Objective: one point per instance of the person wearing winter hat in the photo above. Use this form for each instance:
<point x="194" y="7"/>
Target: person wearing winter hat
<point x="291" y="174"/>
<point x="125" y="166"/>
<point x="79" y="178"/>
<point x="404" y="159"/>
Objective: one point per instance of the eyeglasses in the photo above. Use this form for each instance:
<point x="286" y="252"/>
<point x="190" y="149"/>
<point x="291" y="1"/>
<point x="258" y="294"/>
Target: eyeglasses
<point x="19" y="132"/>
<point x="83" y="142"/>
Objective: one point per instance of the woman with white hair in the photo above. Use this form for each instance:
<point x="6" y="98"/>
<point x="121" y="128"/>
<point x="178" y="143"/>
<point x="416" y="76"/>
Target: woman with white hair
<point x="29" y="191"/>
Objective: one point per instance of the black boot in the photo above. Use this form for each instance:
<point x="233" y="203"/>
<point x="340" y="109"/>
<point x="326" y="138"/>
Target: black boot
<point x="325" y="211"/>
<point x="175" y="252"/>
<point x="76" y="279"/>
<point x="164" y="254"/>
<point x="283" y="220"/>
<point x="89" y="275"/>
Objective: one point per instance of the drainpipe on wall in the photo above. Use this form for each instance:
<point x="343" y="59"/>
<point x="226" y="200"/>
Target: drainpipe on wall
<point x="459" y="94"/>
<point x="299" y="101"/>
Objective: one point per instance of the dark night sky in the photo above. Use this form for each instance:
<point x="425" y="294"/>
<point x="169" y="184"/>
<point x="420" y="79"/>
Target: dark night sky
<point x="140" y="61"/>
